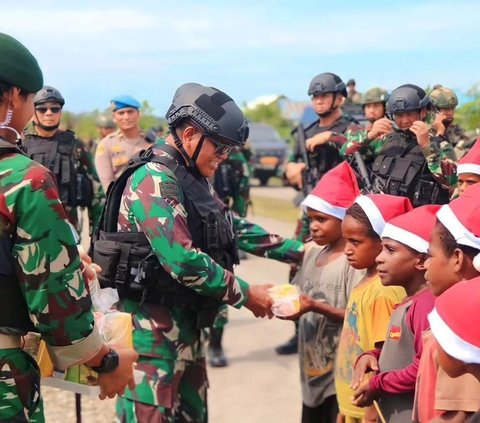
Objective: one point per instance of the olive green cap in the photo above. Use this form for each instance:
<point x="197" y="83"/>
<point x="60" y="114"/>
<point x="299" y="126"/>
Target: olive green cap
<point x="18" y="67"/>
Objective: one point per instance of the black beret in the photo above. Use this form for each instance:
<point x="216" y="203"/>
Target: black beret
<point x="18" y="67"/>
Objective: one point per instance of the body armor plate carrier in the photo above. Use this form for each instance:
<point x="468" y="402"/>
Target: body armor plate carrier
<point x="58" y="155"/>
<point x="401" y="169"/>
<point x="128" y="261"/>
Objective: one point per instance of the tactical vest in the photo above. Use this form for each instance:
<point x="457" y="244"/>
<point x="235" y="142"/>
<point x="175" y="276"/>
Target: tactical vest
<point x="128" y="261"/>
<point x="14" y="317"/>
<point x="58" y="155"/>
<point x="401" y="169"/>
<point x="325" y="157"/>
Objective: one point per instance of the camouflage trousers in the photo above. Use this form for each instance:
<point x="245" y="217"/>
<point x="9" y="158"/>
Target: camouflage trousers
<point x="20" y="399"/>
<point x="181" y="393"/>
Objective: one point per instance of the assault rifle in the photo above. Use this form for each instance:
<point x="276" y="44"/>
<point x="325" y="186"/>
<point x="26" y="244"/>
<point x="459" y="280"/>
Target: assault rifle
<point x="367" y="186"/>
<point x="310" y="174"/>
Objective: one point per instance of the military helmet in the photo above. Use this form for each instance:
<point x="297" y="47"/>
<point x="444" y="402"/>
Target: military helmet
<point x="374" y="95"/>
<point x="407" y="98"/>
<point x="104" y="120"/>
<point x="48" y="93"/>
<point x="210" y="109"/>
<point x="327" y="83"/>
<point x="443" y="98"/>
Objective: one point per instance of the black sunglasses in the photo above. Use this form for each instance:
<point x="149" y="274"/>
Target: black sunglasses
<point x="43" y="109"/>
<point x="220" y="148"/>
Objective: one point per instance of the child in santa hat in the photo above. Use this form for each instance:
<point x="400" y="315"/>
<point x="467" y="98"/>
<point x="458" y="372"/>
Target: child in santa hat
<point x="454" y="256"/>
<point x="325" y="280"/>
<point x="401" y="263"/>
<point x="370" y="303"/>
<point x="468" y="169"/>
<point x="456" y="327"/>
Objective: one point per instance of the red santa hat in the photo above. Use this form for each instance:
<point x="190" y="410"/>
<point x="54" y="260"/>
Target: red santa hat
<point x="470" y="163"/>
<point x="382" y="207"/>
<point x="460" y="217"/>
<point x="455" y="323"/>
<point x="335" y="192"/>
<point x="413" y="228"/>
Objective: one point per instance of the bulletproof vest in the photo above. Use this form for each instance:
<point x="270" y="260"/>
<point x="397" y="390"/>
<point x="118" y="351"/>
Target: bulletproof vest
<point x="14" y="317"/>
<point x="325" y="157"/>
<point x="58" y="155"/>
<point x="127" y="259"/>
<point x="401" y="169"/>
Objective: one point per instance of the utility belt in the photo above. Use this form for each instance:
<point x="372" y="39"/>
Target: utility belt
<point x="10" y="341"/>
<point x="129" y="265"/>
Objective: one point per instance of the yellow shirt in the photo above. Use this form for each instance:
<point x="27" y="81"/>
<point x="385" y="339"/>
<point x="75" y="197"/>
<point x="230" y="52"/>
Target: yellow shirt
<point x="366" y="321"/>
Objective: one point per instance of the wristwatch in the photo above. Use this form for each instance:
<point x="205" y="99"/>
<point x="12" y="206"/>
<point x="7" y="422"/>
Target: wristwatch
<point x="109" y="363"/>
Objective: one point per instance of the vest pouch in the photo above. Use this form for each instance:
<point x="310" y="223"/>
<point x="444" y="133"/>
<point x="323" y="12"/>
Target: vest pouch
<point x="382" y="165"/>
<point x="83" y="189"/>
<point x="400" y="169"/>
<point x="107" y="255"/>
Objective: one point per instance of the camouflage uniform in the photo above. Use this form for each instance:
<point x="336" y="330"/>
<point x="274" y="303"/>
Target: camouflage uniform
<point x="444" y="98"/>
<point x="84" y="160"/>
<point x="170" y="345"/>
<point x="47" y="268"/>
<point x="233" y="182"/>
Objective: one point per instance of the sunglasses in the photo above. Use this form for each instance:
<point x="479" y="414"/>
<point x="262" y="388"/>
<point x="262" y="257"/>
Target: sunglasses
<point x="220" y="148"/>
<point x="43" y="109"/>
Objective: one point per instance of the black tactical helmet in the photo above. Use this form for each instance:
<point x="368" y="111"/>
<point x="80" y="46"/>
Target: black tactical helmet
<point x="327" y="83"/>
<point x="210" y="109"/>
<point x="48" y="93"/>
<point x="407" y="98"/>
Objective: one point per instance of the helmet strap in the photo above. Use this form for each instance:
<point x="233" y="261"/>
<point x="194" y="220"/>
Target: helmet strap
<point x="190" y="161"/>
<point x="331" y="109"/>
<point x="45" y="127"/>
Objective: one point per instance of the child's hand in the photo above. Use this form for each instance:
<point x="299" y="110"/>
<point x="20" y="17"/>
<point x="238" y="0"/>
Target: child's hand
<point x="365" y="364"/>
<point x="364" y="395"/>
<point x="305" y="306"/>
<point x="318" y="139"/>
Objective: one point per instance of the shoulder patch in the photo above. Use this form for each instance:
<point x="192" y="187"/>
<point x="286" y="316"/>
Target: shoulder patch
<point x="169" y="190"/>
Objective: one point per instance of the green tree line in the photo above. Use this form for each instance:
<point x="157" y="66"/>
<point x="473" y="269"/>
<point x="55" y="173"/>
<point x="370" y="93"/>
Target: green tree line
<point x="85" y="124"/>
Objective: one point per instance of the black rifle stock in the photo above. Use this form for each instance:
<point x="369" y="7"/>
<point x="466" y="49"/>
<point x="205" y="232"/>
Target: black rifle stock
<point x="362" y="169"/>
<point x="310" y="175"/>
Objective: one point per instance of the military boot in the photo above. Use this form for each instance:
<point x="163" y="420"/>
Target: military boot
<point x="289" y="347"/>
<point x="216" y="356"/>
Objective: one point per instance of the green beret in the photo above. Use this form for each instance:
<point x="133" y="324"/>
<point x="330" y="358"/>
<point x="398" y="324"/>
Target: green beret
<point x="18" y="67"/>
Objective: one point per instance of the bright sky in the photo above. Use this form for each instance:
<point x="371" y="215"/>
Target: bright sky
<point x="92" y="50"/>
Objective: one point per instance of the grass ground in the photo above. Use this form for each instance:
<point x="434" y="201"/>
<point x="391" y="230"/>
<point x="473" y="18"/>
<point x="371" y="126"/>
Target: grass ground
<point x="274" y="208"/>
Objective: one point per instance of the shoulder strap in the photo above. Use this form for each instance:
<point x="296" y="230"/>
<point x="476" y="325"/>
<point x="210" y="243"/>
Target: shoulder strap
<point x="8" y="148"/>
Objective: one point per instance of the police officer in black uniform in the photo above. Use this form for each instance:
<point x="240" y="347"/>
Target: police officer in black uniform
<point x="64" y="155"/>
<point x="413" y="163"/>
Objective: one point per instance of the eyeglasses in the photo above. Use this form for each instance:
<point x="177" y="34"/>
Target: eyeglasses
<point x="43" y="109"/>
<point x="220" y="148"/>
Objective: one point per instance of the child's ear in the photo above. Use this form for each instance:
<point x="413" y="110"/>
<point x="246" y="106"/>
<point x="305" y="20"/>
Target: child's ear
<point x="420" y="262"/>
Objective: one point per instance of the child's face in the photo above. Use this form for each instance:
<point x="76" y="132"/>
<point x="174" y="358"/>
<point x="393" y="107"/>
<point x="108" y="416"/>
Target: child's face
<point x="440" y="274"/>
<point x="361" y="249"/>
<point x="397" y="263"/>
<point x="325" y="229"/>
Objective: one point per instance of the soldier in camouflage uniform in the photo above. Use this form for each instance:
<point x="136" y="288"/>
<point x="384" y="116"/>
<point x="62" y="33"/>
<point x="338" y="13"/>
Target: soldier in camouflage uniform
<point x="408" y="160"/>
<point x="41" y="283"/>
<point x="168" y="205"/>
<point x="66" y="157"/>
<point x="444" y="101"/>
<point x="359" y="136"/>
